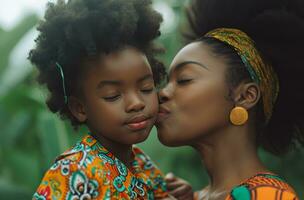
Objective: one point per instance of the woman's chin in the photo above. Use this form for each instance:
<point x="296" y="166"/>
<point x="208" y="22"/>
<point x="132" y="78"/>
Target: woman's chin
<point x="168" y="140"/>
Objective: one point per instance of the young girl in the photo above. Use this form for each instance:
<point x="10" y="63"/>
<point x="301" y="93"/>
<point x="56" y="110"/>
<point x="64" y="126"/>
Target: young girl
<point x="96" y="58"/>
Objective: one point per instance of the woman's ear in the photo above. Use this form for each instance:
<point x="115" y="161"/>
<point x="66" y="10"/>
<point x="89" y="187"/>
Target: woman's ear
<point x="77" y="109"/>
<point x="247" y="95"/>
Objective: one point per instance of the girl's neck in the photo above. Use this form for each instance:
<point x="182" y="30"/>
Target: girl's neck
<point x="230" y="156"/>
<point x="121" y="151"/>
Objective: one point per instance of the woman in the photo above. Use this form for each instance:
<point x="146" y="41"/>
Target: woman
<point x="238" y="87"/>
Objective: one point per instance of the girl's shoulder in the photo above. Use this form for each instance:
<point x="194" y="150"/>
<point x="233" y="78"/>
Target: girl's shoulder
<point x="263" y="186"/>
<point x="86" y="170"/>
<point x="148" y="170"/>
<point x="84" y="153"/>
<point x="90" y="170"/>
<point x="143" y="161"/>
<point x="76" y="174"/>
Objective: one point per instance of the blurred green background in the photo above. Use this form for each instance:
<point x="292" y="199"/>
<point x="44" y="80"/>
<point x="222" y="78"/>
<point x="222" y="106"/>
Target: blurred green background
<point x="31" y="136"/>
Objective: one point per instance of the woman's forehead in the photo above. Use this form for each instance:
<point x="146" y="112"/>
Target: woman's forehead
<point x="197" y="52"/>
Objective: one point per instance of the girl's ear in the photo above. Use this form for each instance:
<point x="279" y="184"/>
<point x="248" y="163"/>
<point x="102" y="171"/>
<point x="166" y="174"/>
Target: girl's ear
<point x="247" y="95"/>
<point x="77" y="109"/>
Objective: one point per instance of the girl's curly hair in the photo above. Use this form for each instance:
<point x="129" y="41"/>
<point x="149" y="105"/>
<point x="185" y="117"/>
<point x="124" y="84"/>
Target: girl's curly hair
<point x="75" y="31"/>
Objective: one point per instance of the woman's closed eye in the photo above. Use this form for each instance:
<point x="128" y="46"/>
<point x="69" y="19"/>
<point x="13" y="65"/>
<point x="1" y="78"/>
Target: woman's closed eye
<point x="184" y="81"/>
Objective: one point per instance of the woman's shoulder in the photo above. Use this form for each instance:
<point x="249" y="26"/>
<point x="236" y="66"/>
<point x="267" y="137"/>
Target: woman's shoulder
<point x="263" y="186"/>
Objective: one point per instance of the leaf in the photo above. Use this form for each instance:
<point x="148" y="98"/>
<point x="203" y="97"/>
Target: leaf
<point x="13" y="191"/>
<point x="21" y="167"/>
<point x="11" y="38"/>
<point x="53" y="137"/>
<point x="14" y="128"/>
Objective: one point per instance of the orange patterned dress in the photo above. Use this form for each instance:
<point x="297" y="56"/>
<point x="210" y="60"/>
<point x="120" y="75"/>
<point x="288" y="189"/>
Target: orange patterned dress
<point x="264" y="186"/>
<point x="89" y="171"/>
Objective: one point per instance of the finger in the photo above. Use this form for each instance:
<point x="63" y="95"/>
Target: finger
<point x="172" y="197"/>
<point x="170" y="177"/>
<point x="187" y="196"/>
<point x="175" y="184"/>
<point x="180" y="191"/>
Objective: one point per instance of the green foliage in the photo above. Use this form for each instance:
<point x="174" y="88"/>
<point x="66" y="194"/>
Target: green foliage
<point x="31" y="137"/>
<point x="8" y="40"/>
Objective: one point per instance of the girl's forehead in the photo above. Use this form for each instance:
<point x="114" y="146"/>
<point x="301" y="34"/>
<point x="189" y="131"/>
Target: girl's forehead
<point x="123" y="57"/>
<point x="126" y="65"/>
<point x="119" y="59"/>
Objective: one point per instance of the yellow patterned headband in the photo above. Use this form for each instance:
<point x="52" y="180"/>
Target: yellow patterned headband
<point x="260" y="72"/>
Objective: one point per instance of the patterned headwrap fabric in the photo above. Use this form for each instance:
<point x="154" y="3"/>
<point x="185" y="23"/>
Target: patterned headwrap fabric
<point x="260" y="72"/>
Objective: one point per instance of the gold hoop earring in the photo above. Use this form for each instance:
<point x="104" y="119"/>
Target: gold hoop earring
<point x="238" y="116"/>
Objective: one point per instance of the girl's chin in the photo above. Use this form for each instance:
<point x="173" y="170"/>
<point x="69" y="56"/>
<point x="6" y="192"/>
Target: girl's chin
<point x="140" y="137"/>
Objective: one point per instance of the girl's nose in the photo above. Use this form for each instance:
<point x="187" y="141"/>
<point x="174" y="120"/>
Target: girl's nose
<point x="134" y="103"/>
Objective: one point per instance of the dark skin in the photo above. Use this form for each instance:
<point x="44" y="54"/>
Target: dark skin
<point x="194" y="111"/>
<point x="118" y="101"/>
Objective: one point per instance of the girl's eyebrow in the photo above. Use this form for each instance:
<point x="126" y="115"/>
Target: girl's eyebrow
<point x="183" y="64"/>
<point x="145" y="77"/>
<point x="104" y="83"/>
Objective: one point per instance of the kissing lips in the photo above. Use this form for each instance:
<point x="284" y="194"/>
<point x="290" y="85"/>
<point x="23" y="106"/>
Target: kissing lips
<point x="163" y="113"/>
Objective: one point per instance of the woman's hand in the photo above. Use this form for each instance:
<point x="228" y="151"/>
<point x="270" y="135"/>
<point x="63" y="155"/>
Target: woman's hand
<point x="170" y="197"/>
<point x="178" y="188"/>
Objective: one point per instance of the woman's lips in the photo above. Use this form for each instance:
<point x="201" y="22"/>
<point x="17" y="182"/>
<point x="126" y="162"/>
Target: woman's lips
<point x="163" y="113"/>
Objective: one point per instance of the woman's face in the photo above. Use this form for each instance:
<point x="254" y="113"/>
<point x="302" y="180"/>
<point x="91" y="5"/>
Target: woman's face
<point x="195" y="101"/>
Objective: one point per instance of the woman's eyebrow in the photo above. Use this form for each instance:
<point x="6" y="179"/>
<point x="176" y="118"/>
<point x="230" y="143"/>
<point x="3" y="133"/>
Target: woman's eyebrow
<point x="183" y="64"/>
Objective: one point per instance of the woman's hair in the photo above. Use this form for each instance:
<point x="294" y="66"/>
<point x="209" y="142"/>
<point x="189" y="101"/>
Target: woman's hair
<point x="277" y="27"/>
<point x="77" y="31"/>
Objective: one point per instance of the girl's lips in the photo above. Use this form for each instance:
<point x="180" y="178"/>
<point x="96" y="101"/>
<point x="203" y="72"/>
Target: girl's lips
<point x="138" y="122"/>
<point x="138" y="125"/>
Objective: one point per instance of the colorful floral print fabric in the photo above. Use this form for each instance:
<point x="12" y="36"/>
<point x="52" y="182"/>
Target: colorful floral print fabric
<point x="90" y="171"/>
<point x="264" y="186"/>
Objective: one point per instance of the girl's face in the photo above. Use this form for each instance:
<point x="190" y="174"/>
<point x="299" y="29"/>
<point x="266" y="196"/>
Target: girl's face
<point x="194" y="103"/>
<point x="119" y="102"/>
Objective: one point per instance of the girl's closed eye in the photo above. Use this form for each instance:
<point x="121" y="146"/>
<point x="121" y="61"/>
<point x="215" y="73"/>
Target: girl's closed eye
<point x="147" y="89"/>
<point x="147" y="85"/>
<point x="112" y="97"/>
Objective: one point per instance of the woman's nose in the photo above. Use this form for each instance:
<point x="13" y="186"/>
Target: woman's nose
<point x="165" y="94"/>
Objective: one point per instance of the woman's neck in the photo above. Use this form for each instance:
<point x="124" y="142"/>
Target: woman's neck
<point x="230" y="157"/>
